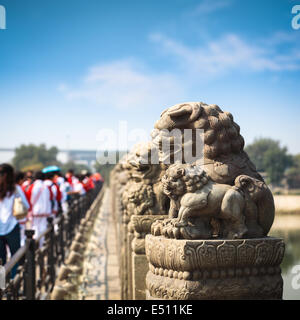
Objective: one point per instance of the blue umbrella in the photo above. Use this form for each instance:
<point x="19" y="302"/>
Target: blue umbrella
<point x="51" y="169"/>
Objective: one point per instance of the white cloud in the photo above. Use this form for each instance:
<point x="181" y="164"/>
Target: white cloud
<point x="125" y="84"/>
<point x="228" y="53"/>
<point x="281" y="37"/>
<point x="208" y="6"/>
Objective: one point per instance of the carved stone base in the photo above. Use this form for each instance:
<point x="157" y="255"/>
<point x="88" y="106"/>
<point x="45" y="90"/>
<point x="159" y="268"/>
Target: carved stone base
<point x="214" y="269"/>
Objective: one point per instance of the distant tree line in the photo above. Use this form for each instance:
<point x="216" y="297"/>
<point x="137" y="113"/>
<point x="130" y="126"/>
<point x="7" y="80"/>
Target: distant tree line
<point x="33" y="157"/>
<point x="273" y="159"/>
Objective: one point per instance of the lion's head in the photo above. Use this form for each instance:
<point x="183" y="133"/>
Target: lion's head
<point x="140" y="161"/>
<point x="221" y="134"/>
<point x="182" y="178"/>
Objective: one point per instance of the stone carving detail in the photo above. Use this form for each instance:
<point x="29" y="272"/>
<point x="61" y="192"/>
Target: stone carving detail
<point x="160" y="287"/>
<point x="191" y="255"/>
<point x="143" y="194"/>
<point x="202" y="209"/>
<point x="138" y="199"/>
<point x="141" y="226"/>
<point x="214" y="269"/>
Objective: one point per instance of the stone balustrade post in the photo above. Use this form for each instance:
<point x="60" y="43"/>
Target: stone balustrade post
<point x="141" y="226"/>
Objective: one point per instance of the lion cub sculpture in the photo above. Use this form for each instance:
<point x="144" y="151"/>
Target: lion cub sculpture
<point x="203" y="209"/>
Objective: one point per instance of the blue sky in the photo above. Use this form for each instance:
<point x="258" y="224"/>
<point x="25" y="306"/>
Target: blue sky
<point x="69" y="68"/>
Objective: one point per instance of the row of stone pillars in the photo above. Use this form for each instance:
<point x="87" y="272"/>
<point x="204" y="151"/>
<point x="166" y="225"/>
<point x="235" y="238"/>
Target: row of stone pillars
<point x="130" y="234"/>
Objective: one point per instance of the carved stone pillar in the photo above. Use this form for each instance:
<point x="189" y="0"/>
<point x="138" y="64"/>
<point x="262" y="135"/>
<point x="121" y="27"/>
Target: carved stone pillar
<point x="116" y="189"/>
<point x="128" y="254"/>
<point x="214" y="269"/>
<point x="141" y="226"/>
<point x="124" y="259"/>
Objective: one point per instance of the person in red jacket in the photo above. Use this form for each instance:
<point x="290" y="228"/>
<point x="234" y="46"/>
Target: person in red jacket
<point x="56" y="195"/>
<point x="88" y="182"/>
<point x="71" y="178"/>
<point x="27" y="181"/>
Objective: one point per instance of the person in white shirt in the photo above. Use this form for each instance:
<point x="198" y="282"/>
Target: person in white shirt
<point x="56" y="194"/>
<point x="39" y="196"/>
<point x="65" y="189"/>
<point x="9" y="226"/>
<point x="78" y="186"/>
<point x="20" y="178"/>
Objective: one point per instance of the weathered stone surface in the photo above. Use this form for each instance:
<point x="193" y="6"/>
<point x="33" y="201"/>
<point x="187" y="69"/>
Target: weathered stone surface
<point x="99" y="279"/>
<point x="236" y="288"/>
<point x="203" y="209"/>
<point x="195" y="255"/>
<point x="139" y="272"/>
<point x="214" y="269"/>
<point x="140" y="226"/>
<point x="224" y="158"/>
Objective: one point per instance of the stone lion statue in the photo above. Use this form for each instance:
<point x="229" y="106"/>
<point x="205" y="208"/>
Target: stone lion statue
<point x="201" y="208"/>
<point x="138" y="199"/>
<point x="144" y="173"/>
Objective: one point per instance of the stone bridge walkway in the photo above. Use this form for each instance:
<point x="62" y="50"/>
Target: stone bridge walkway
<point x="100" y="278"/>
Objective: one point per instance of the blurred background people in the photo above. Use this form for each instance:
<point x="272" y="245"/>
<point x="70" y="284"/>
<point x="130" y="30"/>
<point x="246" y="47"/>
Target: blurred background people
<point x="78" y="185"/>
<point x="44" y="194"/>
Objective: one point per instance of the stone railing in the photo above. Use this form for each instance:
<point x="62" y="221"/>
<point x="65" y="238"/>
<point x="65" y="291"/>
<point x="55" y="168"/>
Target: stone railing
<point x="69" y="273"/>
<point x="38" y="266"/>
